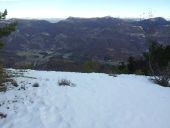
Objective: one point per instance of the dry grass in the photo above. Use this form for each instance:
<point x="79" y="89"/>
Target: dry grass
<point x="64" y="82"/>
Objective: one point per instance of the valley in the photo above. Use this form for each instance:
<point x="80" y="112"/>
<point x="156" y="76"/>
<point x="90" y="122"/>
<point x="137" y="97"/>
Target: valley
<point x="39" y="44"/>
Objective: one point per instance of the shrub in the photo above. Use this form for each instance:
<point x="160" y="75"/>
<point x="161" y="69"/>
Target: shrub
<point x="35" y="85"/>
<point x="90" y="66"/>
<point x="3" y="76"/>
<point x="159" y="63"/>
<point x="131" y="65"/>
<point x="139" y="72"/>
<point x="2" y="115"/>
<point x="14" y="83"/>
<point x="120" y="69"/>
<point x="64" y="82"/>
<point x="162" y="81"/>
<point x="3" y="88"/>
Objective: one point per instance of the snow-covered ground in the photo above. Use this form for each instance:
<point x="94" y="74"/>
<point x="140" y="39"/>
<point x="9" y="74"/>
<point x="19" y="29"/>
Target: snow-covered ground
<point x="93" y="101"/>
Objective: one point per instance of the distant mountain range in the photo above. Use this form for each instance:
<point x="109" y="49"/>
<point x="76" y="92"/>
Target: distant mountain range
<point x="106" y="40"/>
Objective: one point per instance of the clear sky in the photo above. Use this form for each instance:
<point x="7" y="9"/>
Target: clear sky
<point x="85" y="8"/>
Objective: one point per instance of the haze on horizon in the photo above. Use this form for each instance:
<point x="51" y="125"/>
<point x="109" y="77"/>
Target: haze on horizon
<point x="86" y="8"/>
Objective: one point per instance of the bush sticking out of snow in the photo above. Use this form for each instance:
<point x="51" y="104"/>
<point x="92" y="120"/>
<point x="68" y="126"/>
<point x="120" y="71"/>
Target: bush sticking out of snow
<point x="14" y="83"/>
<point x="114" y="75"/>
<point x="2" y="115"/>
<point x="162" y="82"/>
<point x="64" y="82"/>
<point x="3" y="88"/>
<point x="12" y="73"/>
<point x="22" y="87"/>
<point x="35" y="85"/>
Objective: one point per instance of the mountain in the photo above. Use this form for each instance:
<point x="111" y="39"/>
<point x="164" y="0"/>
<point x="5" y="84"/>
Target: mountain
<point x="158" y="28"/>
<point x="105" y="40"/>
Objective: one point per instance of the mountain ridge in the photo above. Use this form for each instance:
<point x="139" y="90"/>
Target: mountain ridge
<point x="80" y="39"/>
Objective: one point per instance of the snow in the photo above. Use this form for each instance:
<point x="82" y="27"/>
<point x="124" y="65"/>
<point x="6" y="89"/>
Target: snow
<point x="95" y="101"/>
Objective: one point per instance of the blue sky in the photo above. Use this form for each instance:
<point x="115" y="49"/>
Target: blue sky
<point x="85" y="8"/>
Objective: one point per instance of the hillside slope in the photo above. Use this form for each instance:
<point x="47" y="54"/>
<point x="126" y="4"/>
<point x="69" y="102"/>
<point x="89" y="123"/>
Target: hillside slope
<point x="92" y="101"/>
<point x="104" y="39"/>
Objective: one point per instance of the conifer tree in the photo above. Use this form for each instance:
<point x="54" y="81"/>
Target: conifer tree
<point x="6" y="27"/>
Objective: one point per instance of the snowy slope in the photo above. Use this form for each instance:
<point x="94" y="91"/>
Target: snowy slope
<point x="95" y="101"/>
